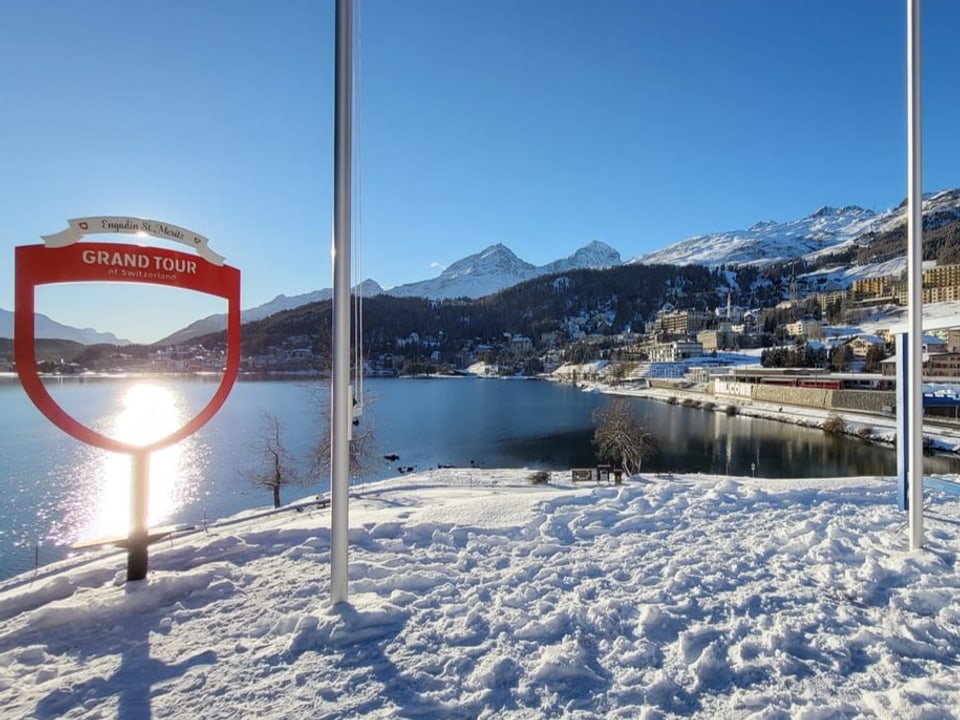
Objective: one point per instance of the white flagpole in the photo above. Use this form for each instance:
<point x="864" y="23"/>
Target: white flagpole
<point x="340" y="406"/>
<point x="915" y="276"/>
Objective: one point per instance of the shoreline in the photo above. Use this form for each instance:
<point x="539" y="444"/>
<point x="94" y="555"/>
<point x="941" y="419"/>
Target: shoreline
<point x="878" y="429"/>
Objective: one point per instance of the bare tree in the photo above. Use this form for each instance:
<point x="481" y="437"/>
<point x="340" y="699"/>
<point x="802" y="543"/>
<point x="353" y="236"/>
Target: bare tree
<point x="276" y="468"/>
<point x="620" y="435"/>
<point x="361" y="450"/>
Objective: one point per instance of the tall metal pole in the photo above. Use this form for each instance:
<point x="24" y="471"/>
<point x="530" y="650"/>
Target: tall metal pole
<point x="340" y="409"/>
<point x="915" y="273"/>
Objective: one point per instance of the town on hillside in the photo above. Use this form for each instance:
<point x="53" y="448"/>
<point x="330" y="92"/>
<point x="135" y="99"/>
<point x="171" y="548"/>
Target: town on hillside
<point x="809" y="350"/>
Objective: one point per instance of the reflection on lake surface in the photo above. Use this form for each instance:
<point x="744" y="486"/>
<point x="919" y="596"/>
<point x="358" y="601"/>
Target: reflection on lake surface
<point x="61" y="490"/>
<point x="99" y="504"/>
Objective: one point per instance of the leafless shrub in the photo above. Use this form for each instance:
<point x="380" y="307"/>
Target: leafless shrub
<point x="539" y="477"/>
<point x="835" y="424"/>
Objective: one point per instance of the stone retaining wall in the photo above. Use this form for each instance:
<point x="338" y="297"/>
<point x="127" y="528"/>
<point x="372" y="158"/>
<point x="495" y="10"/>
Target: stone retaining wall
<point x="873" y="401"/>
<point x="662" y="383"/>
<point x="808" y="397"/>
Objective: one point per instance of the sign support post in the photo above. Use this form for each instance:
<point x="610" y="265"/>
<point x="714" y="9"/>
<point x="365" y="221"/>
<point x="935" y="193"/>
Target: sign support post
<point x="139" y="494"/>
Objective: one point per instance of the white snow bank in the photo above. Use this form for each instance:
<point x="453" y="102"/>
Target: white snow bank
<point x="477" y="595"/>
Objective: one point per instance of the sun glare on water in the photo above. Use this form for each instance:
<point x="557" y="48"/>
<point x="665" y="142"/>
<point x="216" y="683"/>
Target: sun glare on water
<point x="147" y="412"/>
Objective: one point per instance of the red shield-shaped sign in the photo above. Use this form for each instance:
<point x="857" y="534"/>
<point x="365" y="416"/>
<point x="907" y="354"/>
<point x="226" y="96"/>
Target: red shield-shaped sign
<point x="114" y="262"/>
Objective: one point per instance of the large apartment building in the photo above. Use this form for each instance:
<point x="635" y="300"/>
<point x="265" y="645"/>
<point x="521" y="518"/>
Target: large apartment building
<point x="682" y="322"/>
<point x="941" y="283"/>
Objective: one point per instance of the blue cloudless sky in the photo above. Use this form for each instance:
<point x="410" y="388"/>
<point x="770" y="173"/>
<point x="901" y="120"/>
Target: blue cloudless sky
<point x="541" y="124"/>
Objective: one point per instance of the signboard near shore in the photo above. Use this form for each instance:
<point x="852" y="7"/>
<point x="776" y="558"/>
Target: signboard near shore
<point x="62" y="259"/>
<point x="113" y="262"/>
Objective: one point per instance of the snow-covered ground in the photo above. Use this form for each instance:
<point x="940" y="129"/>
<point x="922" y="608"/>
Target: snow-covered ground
<point x="476" y="594"/>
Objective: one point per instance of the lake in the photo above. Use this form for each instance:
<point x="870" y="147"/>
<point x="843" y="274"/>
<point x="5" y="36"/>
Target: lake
<point x="57" y="490"/>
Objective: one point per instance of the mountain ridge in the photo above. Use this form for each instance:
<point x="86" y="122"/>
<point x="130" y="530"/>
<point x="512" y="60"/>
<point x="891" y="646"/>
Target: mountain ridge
<point x="497" y="267"/>
<point x="47" y="328"/>
<point x="769" y="241"/>
<point x="826" y="232"/>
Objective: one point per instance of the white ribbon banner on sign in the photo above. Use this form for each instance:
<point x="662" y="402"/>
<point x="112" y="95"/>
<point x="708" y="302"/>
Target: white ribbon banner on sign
<point x="79" y="227"/>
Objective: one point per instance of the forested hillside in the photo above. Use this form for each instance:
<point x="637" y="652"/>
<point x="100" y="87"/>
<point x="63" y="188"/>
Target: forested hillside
<point x="619" y="299"/>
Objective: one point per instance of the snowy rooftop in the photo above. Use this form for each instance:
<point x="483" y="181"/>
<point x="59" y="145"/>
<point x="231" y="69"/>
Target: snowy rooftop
<point x="475" y="594"/>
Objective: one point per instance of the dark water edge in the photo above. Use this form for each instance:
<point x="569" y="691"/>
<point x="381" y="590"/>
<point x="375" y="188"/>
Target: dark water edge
<point x="691" y="440"/>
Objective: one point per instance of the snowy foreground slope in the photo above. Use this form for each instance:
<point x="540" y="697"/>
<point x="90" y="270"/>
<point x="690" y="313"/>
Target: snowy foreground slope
<point x="477" y="595"/>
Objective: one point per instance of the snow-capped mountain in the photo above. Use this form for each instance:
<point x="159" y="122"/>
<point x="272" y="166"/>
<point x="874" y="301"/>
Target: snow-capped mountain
<point x="939" y="209"/>
<point x="768" y="242"/>
<point x="483" y="273"/>
<point x="45" y="328"/>
<point x="497" y="268"/>
<point x="826" y="231"/>
<point x="597" y="255"/>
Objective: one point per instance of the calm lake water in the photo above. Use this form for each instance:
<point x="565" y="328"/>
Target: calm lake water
<point x="57" y="491"/>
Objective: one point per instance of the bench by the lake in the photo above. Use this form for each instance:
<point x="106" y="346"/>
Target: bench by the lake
<point x="601" y="473"/>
